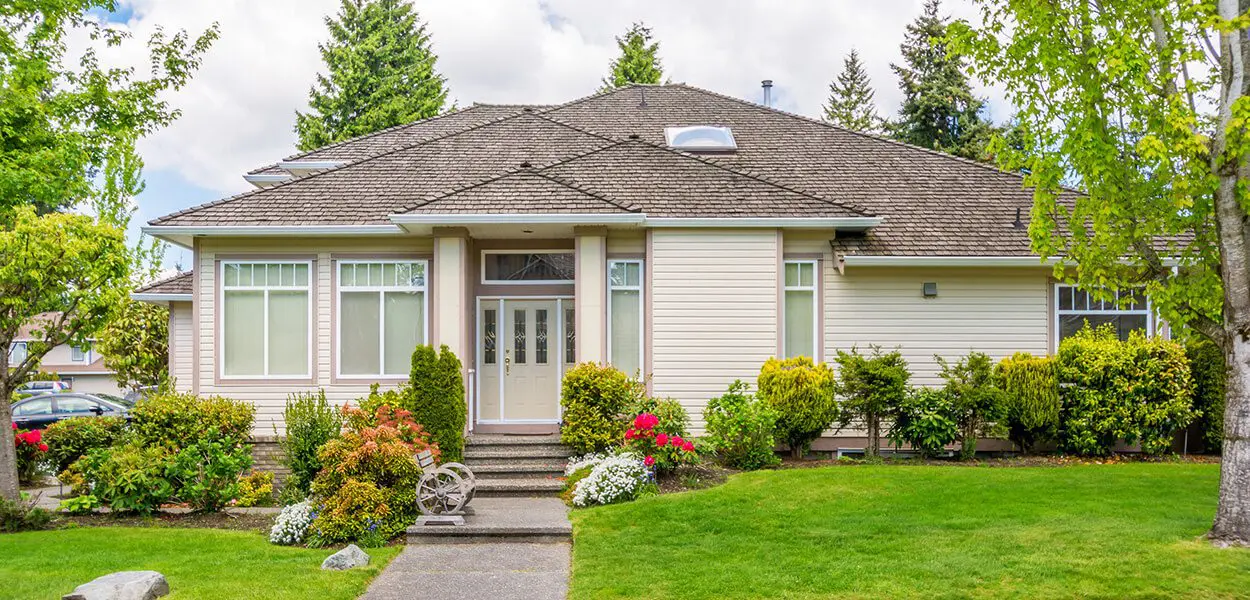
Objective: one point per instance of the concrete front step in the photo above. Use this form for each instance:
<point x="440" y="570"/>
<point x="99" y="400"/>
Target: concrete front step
<point x="501" y="470"/>
<point x="483" y="454"/>
<point x="518" y="486"/>
<point x="520" y="520"/>
<point x="502" y="439"/>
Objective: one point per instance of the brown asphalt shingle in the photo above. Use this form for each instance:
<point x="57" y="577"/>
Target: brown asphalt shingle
<point x="177" y="284"/>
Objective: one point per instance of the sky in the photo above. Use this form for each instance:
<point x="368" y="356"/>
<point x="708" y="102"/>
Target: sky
<point x="238" y="112"/>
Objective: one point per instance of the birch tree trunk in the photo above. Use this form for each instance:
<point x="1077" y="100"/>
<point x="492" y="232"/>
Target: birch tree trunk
<point x="8" y="454"/>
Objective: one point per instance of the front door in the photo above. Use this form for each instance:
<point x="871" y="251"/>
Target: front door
<point x="521" y="355"/>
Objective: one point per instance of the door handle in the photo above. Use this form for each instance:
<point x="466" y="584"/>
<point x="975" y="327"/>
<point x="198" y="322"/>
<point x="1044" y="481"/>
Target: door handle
<point x="507" y="365"/>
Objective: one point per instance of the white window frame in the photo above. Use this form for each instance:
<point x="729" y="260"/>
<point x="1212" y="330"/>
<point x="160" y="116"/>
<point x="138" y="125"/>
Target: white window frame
<point x="79" y="355"/>
<point x="486" y="281"/>
<point x="671" y="134"/>
<point x="814" y="288"/>
<point x="381" y="291"/>
<point x="221" y="332"/>
<point x="13" y="353"/>
<point x="1057" y="318"/>
<point x="642" y="310"/>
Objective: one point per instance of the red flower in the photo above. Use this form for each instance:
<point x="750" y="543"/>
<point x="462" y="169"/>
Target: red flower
<point x="688" y="447"/>
<point x="629" y="434"/>
<point x="646" y="421"/>
<point x="677" y="441"/>
<point x="661" y="439"/>
<point x="650" y="460"/>
<point x="43" y="447"/>
<point x="34" y="437"/>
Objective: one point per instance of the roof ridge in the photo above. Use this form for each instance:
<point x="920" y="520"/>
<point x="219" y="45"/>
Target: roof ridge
<point x="524" y="170"/>
<point x="871" y="136"/>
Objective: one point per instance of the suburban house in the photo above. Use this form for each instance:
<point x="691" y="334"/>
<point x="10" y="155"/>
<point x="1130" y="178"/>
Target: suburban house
<point x="676" y="233"/>
<point x="82" y="368"/>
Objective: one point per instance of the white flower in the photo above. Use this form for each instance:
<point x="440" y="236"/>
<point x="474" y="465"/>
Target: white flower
<point x="613" y="479"/>
<point x="578" y="463"/>
<point x="292" y="524"/>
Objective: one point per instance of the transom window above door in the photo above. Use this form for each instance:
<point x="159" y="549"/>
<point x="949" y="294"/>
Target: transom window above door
<point x="381" y="316"/>
<point x="510" y="267"/>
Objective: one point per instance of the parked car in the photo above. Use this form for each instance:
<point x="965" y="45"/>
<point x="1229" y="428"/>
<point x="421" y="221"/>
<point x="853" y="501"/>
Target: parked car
<point x="36" y="388"/>
<point x="40" y="411"/>
<point x="134" y="396"/>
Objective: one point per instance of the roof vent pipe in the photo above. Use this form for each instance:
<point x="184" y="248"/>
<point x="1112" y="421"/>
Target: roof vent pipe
<point x="768" y="92"/>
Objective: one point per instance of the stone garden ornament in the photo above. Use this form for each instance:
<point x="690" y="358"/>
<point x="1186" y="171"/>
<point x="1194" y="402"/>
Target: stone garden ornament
<point x="444" y="491"/>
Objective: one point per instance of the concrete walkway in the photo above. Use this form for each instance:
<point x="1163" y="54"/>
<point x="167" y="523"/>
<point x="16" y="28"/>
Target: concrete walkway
<point x="494" y="556"/>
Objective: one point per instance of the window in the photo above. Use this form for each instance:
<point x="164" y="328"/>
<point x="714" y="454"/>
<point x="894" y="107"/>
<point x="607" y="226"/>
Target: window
<point x="503" y="267"/>
<point x="799" y="310"/>
<point x="33" y="408"/>
<point x="17" y="353"/>
<point x="74" y="404"/>
<point x="1127" y="311"/>
<point x="78" y="354"/>
<point x="700" y="138"/>
<point x="266" y="319"/>
<point x="625" y="315"/>
<point x="381" y="316"/>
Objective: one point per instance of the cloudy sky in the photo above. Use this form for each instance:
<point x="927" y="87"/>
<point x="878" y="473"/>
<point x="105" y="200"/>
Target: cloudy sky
<point x="239" y="111"/>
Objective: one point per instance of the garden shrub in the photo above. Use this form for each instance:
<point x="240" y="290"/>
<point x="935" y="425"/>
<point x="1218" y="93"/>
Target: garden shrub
<point x="256" y="489"/>
<point x="1136" y="390"/>
<point x="618" y="478"/>
<point x="1031" y="388"/>
<point x="595" y="399"/>
<point x="80" y="505"/>
<point x="927" y="419"/>
<point x="571" y="480"/>
<point x="975" y="398"/>
<point x="310" y="422"/>
<point x="660" y="449"/>
<point x="71" y="439"/>
<point x="740" y="429"/>
<point x="672" y="415"/>
<point x="369" y="479"/>
<point x="128" y="478"/>
<point x="206" y="474"/>
<point x="180" y="419"/>
<point x="291" y="525"/>
<point x="436" y="399"/>
<point x="803" y="395"/>
<point x="1207" y="368"/>
<point x="22" y="515"/>
<point x="31" y="452"/>
<point x="871" y="387"/>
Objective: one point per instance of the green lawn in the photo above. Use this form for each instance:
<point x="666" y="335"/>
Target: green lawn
<point x="1098" y="531"/>
<point x="199" y="563"/>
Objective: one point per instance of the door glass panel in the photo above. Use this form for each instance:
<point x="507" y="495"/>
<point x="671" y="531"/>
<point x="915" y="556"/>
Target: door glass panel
<point x="540" y="336"/>
<point x="570" y="336"/>
<point x="518" y="336"/>
<point x="488" y="336"/>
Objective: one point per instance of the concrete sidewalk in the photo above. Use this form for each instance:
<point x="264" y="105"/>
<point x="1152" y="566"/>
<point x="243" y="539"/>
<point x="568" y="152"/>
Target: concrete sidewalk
<point x="498" y="571"/>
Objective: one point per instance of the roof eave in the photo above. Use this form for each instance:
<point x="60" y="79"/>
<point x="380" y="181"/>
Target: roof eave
<point x="163" y="299"/>
<point x="181" y="235"/>
<point x="959" y="261"/>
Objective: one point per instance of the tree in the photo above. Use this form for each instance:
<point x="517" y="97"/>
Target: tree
<point x="381" y="73"/>
<point x="975" y="397"/>
<point x="70" y="127"/>
<point x="135" y="344"/>
<point x="939" y="110"/>
<point x="850" y="103"/>
<point x="639" y="61"/>
<point x="871" y="387"/>
<point x="1132" y="104"/>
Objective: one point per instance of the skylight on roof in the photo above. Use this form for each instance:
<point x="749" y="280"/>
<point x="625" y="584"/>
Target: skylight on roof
<point x="700" y="138"/>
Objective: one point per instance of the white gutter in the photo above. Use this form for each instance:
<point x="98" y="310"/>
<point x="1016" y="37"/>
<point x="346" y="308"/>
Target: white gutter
<point x="161" y="298"/>
<point x="846" y="223"/>
<point x="263" y="180"/>
<point x="272" y="230"/>
<point x="519" y="219"/>
<point x="958" y="261"/>
<point x="310" y="165"/>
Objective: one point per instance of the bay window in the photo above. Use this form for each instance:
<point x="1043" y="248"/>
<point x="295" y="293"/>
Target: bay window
<point x="625" y="324"/>
<point x="266" y="319"/>
<point x="382" y="316"/>
<point x="1125" y="310"/>
<point x="799" y="309"/>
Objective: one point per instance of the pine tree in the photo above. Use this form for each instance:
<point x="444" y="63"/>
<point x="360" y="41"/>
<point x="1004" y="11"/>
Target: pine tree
<point x="381" y="73"/>
<point x="639" y="61"/>
<point x="939" y="110"/>
<point x="851" y="102"/>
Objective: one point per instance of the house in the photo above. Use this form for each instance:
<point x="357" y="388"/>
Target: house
<point x="669" y="230"/>
<point x="82" y="368"/>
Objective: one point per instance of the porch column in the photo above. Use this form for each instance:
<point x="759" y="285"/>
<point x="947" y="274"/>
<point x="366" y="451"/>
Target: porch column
<point x="450" y="325"/>
<point x="591" y="289"/>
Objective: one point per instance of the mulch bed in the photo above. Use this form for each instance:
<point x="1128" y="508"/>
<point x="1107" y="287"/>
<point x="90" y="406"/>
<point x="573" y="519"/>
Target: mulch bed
<point x="220" y="520"/>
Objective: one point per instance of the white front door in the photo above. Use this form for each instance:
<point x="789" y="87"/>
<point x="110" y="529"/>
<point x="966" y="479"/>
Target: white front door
<point x="521" y="353"/>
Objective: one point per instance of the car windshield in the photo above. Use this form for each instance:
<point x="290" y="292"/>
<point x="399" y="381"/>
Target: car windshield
<point x="116" y="400"/>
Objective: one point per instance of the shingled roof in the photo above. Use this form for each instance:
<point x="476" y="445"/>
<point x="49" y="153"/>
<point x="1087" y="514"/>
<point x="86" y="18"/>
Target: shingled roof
<point x="181" y="283"/>
<point x="607" y="153"/>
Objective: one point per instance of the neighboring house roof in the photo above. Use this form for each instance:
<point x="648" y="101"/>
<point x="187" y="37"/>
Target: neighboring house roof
<point x="606" y="153"/>
<point x="176" y="284"/>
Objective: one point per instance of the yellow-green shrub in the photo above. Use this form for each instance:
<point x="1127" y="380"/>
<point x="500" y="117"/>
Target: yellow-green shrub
<point x="256" y="489"/>
<point x="180" y="419"/>
<point x="802" y="394"/>
<point x="1032" y="387"/>
<point x="595" y="399"/>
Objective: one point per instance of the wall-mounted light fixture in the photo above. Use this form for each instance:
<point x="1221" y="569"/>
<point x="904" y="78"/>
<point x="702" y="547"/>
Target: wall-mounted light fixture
<point x="930" y="289"/>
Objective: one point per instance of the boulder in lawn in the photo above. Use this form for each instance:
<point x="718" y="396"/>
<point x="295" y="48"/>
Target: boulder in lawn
<point x="126" y="585"/>
<point x="347" y="558"/>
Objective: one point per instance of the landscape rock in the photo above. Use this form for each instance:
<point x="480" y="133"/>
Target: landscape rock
<point x="126" y="585"/>
<point x="347" y="558"/>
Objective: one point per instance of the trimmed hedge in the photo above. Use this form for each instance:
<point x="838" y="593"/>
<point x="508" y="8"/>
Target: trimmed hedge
<point x="595" y="399"/>
<point x="1207" y="368"/>
<point x="72" y="439"/>
<point x="436" y="399"/>
<point x="802" y="393"/>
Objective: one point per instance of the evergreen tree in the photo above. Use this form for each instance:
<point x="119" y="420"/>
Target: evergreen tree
<point x="381" y="74"/>
<point x="639" y="61"/>
<point x="939" y="110"/>
<point x="851" y="102"/>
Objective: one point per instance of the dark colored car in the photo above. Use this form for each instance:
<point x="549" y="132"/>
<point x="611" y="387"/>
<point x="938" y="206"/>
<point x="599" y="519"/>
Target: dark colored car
<point x="40" y="411"/>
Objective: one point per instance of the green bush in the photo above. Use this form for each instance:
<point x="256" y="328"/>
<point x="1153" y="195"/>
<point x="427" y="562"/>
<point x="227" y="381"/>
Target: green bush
<point x="570" y="483"/>
<point x="80" y="505"/>
<point x="22" y="516"/>
<point x="927" y="419"/>
<point x="436" y="386"/>
<point x="1031" y="388"/>
<point x="871" y="387"/>
<point x="206" y="475"/>
<point x="974" y="395"/>
<point x="128" y="478"/>
<point x="71" y="439"/>
<point x="595" y="399"/>
<point x="310" y="422"/>
<point x="256" y="489"/>
<point x="673" y="417"/>
<point x="802" y="394"/>
<point x="180" y="419"/>
<point x="358" y="510"/>
<point x="1136" y="390"/>
<point x="1207" y="367"/>
<point x="740" y="429"/>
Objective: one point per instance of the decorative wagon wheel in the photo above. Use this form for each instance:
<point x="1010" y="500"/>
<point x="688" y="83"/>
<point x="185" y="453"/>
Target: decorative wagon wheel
<point x="470" y="481"/>
<point x="440" y="492"/>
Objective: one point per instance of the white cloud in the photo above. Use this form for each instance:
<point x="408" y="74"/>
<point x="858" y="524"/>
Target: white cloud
<point x="238" y="112"/>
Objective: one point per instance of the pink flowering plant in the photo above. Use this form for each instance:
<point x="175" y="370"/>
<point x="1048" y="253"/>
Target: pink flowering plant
<point x="31" y="451"/>
<point x="663" y="451"/>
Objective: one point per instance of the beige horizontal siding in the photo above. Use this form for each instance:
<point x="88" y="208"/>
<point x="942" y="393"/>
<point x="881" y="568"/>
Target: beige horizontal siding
<point x="181" y="341"/>
<point x="714" y="311"/>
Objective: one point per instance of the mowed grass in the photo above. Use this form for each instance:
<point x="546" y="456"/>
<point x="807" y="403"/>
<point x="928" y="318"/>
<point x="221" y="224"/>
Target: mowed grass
<point x="1093" y="531"/>
<point x="198" y="563"/>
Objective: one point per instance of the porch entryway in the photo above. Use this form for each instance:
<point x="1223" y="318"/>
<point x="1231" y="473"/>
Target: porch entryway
<point x="524" y="346"/>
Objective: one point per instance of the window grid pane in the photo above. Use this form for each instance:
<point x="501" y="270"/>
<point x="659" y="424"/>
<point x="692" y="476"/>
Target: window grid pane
<point x="540" y="336"/>
<point x="1125" y="310"/>
<point x="518" y="335"/>
<point x="570" y="336"/>
<point x="488" y="336"/>
<point x="395" y="325"/>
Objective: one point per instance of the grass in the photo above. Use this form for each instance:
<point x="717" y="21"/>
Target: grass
<point x="1094" y="531"/>
<point x="198" y="563"/>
